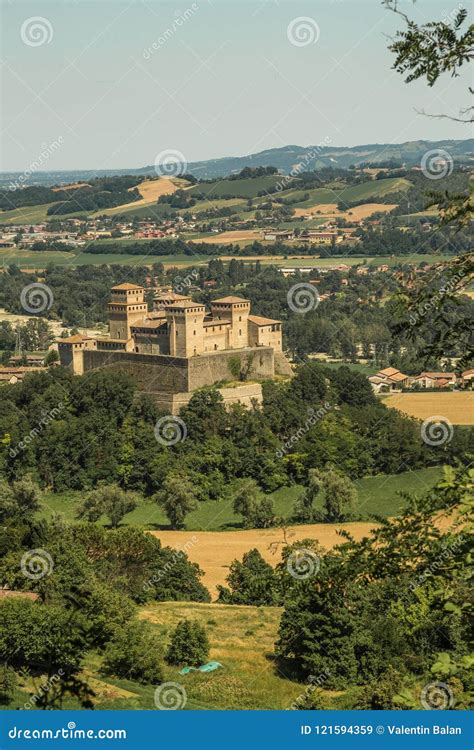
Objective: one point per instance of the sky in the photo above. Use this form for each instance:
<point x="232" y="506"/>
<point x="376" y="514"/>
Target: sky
<point x="106" y="84"/>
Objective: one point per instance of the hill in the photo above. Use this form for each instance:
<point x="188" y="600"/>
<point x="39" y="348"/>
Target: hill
<point x="315" y="157"/>
<point x="285" y="159"/>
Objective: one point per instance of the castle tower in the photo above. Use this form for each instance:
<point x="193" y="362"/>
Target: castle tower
<point x="127" y="306"/>
<point x="186" y="328"/>
<point x="235" y="309"/>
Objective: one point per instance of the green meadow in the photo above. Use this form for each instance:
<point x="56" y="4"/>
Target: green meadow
<point x="377" y="495"/>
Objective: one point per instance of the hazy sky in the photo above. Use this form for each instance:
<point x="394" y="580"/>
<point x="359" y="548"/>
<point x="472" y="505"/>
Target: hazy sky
<point x="116" y="83"/>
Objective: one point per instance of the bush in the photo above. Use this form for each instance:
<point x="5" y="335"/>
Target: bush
<point x="8" y="683"/>
<point x="252" y="581"/>
<point x="134" y="653"/>
<point x="189" y="644"/>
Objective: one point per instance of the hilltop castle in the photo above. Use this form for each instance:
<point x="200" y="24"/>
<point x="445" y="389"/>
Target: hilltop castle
<point x="179" y="346"/>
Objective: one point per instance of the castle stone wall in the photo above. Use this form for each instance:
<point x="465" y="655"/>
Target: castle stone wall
<point x="151" y="373"/>
<point x="217" y="366"/>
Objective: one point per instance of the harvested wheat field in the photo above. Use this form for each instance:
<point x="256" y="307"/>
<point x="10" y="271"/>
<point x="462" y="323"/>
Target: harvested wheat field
<point x="215" y="550"/>
<point x="235" y="236"/>
<point x="74" y="186"/>
<point x="150" y="190"/>
<point x="357" y="213"/>
<point x="457" y="407"/>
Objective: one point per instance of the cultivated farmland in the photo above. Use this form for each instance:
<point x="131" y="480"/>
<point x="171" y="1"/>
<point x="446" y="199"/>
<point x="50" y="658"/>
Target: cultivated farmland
<point x="457" y="407"/>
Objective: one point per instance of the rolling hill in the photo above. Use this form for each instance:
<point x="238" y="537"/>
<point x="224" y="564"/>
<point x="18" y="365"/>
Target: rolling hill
<point x="285" y="159"/>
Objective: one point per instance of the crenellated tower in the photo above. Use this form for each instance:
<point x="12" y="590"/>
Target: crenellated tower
<point x="127" y="307"/>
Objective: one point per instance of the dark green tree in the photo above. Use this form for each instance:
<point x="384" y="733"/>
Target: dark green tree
<point x="189" y="644"/>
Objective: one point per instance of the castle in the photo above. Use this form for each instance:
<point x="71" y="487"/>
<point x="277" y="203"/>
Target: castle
<point x="179" y="346"/>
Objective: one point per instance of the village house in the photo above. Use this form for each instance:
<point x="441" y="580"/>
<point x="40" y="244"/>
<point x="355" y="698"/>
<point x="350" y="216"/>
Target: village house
<point x="389" y="380"/>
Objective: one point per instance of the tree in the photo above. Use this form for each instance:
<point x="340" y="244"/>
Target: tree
<point x="177" y="498"/>
<point x="257" y="512"/>
<point x="304" y="506"/>
<point x="189" y="644"/>
<point x="20" y="500"/>
<point x="46" y="640"/>
<point x="432" y="49"/>
<point x="340" y="495"/>
<point x="51" y="358"/>
<point x="252" y="581"/>
<point x="134" y="653"/>
<point x="8" y="684"/>
<point x="109" y="500"/>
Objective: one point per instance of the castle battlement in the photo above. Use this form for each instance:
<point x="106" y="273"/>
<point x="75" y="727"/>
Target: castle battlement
<point x="179" y="345"/>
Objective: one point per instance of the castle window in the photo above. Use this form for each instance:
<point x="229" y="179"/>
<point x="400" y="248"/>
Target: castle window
<point x="240" y="318"/>
<point x="194" y="333"/>
<point x="240" y="332"/>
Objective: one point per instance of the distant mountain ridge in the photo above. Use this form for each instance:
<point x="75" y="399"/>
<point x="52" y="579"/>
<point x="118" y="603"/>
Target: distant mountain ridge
<point x="285" y="159"/>
<point x="313" y="157"/>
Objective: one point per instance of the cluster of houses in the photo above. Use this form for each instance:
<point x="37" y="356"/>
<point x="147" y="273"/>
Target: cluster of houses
<point x="76" y="232"/>
<point x="391" y="380"/>
<point x="324" y="235"/>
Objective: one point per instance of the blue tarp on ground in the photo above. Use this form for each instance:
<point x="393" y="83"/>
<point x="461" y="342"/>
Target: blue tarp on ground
<point x="209" y="667"/>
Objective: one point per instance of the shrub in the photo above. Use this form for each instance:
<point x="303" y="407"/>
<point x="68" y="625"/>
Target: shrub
<point x="8" y="683"/>
<point x="189" y="644"/>
<point x="134" y="653"/>
<point x="252" y="581"/>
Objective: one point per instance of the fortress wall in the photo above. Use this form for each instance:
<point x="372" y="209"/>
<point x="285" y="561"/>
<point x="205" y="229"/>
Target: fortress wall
<point x="214" y="367"/>
<point x="152" y="373"/>
<point x="246" y="394"/>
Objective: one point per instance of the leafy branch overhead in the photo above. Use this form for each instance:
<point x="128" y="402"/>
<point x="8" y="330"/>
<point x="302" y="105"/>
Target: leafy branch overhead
<point x="434" y="48"/>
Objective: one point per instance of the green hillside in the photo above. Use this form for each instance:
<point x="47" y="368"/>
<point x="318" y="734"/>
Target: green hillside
<point x="245" y="188"/>
<point x="370" y="189"/>
<point x="376" y="495"/>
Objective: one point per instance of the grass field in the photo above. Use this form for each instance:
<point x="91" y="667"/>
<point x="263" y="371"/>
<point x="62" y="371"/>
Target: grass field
<point x="377" y="495"/>
<point x="150" y="190"/>
<point x="241" y="638"/>
<point x="458" y="408"/>
<point x="245" y="188"/>
<point x="29" y="259"/>
<point x="369" y="189"/>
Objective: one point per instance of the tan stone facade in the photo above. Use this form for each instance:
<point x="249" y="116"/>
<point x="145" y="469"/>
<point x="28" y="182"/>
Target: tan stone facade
<point x="178" y="346"/>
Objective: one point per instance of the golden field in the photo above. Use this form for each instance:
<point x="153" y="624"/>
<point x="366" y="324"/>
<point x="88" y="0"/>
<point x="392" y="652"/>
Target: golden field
<point x="215" y="550"/>
<point x="457" y="407"/>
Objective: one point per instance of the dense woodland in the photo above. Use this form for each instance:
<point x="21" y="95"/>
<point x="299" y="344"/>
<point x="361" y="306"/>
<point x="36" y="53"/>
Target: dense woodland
<point x="358" y="318"/>
<point x="104" y="434"/>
